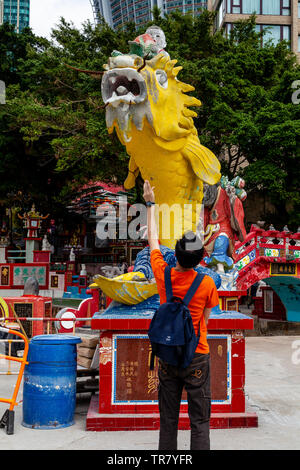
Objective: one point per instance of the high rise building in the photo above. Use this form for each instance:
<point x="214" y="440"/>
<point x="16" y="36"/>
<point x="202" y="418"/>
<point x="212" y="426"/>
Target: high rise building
<point x="282" y="17"/>
<point x="1" y="11"/>
<point x="15" y="12"/>
<point x="185" y="6"/>
<point x="118" y="12"/>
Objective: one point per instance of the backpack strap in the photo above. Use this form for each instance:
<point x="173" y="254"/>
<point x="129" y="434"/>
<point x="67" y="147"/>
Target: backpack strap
<point x="192" y="290"/>
<point x="168" y="283"/>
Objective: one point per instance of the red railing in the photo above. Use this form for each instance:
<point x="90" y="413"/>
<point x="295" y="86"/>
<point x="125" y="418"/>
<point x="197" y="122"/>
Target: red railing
<point x="289" y="243"/>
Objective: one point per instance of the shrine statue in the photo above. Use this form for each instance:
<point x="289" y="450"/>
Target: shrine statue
<point x="149" y="108"/>
<point x="45" y="244"/>
<point x="223" y="222"/>
<point x="148" y="45"/>
<point x="4" y="235"/>
<point x="72" y="256"/>
<point x="31" y="286"/>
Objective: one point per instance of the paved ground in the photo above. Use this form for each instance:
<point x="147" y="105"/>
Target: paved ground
<point x="273" y="392"/>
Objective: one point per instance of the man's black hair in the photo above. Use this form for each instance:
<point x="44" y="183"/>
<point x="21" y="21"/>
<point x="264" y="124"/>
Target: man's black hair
<point x="189" y="250"/>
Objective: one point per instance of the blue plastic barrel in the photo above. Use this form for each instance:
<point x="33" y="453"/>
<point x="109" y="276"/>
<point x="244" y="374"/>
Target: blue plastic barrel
<point x="49" y="388"/>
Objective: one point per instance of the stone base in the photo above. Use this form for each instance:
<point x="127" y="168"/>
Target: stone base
<point x="150" y="421"/>
<point x="268" y="327"/>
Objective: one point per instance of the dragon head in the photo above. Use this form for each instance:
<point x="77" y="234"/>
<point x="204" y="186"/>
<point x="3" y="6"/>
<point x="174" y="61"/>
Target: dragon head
<point x="135" y="89"/>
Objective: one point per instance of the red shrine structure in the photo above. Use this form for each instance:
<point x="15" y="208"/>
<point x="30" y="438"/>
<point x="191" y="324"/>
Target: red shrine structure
<point x="127" y="391"/>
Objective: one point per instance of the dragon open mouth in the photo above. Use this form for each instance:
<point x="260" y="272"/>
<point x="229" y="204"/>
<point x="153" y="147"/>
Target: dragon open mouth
<point x="123" y="85"/>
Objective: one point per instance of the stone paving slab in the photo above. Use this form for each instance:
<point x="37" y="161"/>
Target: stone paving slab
<point x="272" y="391"/>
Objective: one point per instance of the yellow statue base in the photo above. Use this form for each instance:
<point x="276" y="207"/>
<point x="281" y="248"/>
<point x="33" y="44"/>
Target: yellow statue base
<point x="130" y="288"/>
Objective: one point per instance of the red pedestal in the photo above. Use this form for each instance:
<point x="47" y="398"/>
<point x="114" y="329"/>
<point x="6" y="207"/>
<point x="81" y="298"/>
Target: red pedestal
<point x="269" y="305"/>
<point x="127" y="397"/>
<point x="229" y="300"/>
<point x="41" y="256"/>
<point x="32" y="306"/>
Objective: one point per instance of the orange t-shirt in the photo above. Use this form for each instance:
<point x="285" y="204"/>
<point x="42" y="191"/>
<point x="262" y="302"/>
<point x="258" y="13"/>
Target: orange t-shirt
<point x="205" y="297"/>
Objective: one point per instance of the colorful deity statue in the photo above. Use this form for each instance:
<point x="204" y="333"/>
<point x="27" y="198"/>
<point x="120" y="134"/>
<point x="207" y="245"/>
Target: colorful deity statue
<point x="150" y="44"/>
<point x="147" y="45"/>
<point x="223" y="222"/>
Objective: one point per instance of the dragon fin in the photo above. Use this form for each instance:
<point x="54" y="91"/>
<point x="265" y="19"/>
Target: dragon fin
<point x="133" y="171"/>
<point x="205" y="164"/>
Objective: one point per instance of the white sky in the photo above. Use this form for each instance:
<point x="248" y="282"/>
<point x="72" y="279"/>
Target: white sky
<point x="45" y="14"/>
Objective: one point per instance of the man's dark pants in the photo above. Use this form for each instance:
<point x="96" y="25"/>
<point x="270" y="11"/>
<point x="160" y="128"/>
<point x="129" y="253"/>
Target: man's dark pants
<point x="196" y="381"/>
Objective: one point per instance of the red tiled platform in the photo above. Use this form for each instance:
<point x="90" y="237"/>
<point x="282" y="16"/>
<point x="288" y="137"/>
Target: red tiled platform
<point x="150" y="422"/>
<point x="127" y="398"/>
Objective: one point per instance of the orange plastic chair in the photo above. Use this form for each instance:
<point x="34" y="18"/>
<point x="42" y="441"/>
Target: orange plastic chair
<point x="8" y="418"/>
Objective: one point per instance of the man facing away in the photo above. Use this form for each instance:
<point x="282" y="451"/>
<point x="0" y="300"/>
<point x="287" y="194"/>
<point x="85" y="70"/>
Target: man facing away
<point x="196" y="377"/>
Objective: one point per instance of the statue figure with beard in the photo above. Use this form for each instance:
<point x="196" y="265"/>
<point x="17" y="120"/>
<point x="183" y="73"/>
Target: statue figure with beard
<point x="223" y="225"/>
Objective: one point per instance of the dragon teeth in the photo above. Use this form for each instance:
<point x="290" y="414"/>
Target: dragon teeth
<point x="121" y="90"/>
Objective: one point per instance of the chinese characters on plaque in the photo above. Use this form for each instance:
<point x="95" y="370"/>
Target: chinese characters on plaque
<point x="135" y="382"/>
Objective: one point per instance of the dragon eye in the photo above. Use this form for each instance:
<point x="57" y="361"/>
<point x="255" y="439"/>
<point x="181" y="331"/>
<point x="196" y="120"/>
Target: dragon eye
<point x="162" y="78"/>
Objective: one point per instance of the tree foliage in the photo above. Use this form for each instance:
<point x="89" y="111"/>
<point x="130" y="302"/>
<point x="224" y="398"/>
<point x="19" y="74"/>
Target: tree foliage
<point x="53" y="135"/>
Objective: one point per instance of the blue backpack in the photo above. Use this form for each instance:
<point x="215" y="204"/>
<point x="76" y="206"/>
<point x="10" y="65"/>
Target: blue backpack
<point x="171" y="332"/>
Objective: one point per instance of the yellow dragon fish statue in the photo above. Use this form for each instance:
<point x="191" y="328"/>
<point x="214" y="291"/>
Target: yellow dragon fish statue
<point x="148" y="106"/>
<point x="149" y="109"/>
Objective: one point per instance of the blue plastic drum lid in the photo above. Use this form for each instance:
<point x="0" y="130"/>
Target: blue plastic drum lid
<point x="56" y="339"/>
<point x="49" y="393"/>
